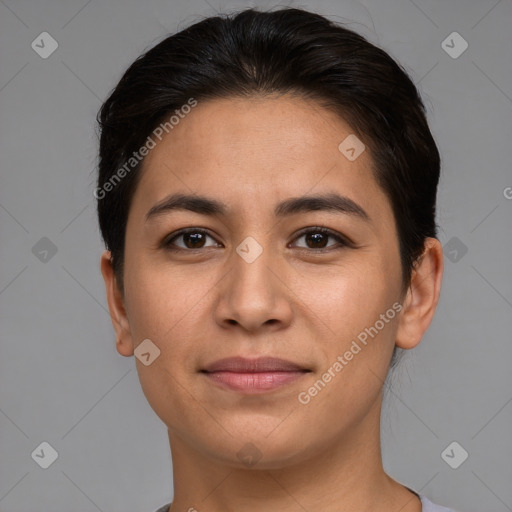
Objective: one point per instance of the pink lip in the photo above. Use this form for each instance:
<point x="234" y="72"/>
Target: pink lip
<point x="253" y="375"/>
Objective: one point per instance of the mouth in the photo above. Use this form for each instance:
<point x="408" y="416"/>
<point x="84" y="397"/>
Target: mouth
<point x="252" y="376"/>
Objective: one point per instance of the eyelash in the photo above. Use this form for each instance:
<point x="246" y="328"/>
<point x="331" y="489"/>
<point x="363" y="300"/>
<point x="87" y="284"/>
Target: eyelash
<point x="343" y="242"/>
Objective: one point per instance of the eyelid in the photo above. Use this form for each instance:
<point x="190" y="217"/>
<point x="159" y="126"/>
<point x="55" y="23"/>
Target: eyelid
<point x="343" y="241"/>
<point x="166" y="242"/>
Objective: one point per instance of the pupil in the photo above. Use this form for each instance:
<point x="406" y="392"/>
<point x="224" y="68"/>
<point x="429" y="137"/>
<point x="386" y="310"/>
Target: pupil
<point x="316" y="238"/>
<point x="197" y="237"/>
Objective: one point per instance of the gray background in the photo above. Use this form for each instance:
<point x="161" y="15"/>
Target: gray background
<point x="61" y="379"/>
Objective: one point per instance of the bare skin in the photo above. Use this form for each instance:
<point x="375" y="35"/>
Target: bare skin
<point x="204" y="302"/>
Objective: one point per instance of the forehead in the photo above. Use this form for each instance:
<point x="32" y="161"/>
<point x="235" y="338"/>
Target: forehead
<point x="258" y="151"/>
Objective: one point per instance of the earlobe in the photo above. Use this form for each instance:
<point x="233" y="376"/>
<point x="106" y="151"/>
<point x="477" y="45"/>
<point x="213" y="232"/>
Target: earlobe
<point x="422" y="297"/>
<point x="124" y="342"/>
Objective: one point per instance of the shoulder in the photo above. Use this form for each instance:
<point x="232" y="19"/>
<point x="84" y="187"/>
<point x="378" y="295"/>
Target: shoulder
<point x="427" y="506"/>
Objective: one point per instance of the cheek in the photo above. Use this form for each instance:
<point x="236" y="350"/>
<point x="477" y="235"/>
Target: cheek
<point x="346" y="304"/>
<point x="162" y="300"/>
<point x="349" y="305"/>
<point x="344" y="296"/>
<point x="164" y="304"/>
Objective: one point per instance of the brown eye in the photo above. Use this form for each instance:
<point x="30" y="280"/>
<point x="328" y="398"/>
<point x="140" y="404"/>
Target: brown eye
<point x="192" y="239"/>
<point x="317" y="238"/>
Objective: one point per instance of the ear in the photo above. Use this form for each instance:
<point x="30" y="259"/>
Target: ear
<point x="422" y="297"/>
<point x="124" y="342"/>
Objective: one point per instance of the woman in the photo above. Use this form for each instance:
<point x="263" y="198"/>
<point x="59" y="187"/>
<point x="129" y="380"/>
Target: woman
<point x="266" y="192"/>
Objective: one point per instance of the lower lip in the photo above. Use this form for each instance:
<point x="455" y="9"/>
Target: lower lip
<point x="254" y="382"/>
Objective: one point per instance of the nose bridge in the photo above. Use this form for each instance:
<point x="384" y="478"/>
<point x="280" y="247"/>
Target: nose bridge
<point x="251" y="260"/>
<point x="251" y="294"/>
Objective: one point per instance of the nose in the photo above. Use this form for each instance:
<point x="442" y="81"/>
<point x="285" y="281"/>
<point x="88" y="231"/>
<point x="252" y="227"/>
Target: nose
<point x="254" y="294"/>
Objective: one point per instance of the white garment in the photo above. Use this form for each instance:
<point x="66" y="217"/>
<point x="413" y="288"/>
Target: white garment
<point x="427" y="506"/>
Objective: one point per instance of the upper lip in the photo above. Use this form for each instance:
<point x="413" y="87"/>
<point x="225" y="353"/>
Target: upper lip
<point x="259" y="365"/>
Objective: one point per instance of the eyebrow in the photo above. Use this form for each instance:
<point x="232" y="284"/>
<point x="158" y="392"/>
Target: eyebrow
<point x="295" y="205"/>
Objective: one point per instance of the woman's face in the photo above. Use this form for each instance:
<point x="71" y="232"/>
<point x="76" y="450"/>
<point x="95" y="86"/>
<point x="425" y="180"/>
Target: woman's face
<point x="256" y="285"/>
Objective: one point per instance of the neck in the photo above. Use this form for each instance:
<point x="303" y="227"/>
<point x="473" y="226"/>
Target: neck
<point x="346" y="475"/>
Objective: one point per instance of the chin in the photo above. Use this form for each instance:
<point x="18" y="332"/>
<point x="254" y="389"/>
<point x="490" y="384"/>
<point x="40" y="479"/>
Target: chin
<point x="259" y="452"/>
